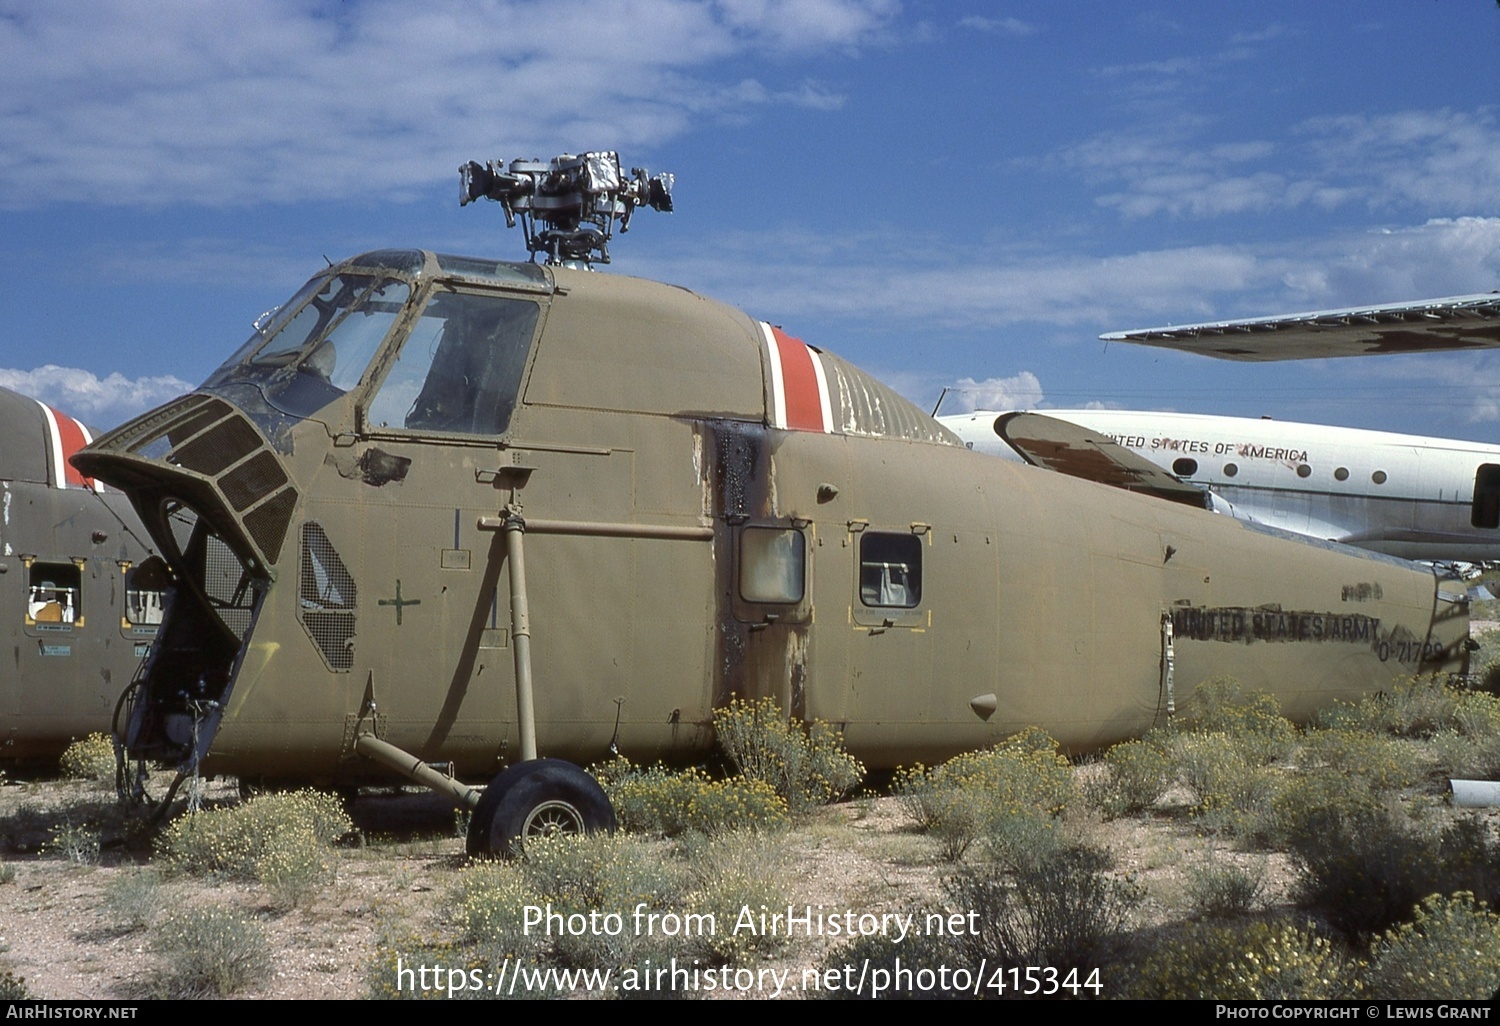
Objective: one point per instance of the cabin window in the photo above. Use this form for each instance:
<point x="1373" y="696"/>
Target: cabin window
<point x="1303" y="470"/>
<point x="1185" y="467"/>
<point x="145" y="593"/>
<point x="1486" y="510"/>
<point x="1378" y="477"/>
<point x="55" y="595"/>
<point x="1230" y="470"/>
<point x="460" y="368"/>
<point x="890" y="570"/>
<point x="773" y="565"/>
<point x="1341" y="474"/>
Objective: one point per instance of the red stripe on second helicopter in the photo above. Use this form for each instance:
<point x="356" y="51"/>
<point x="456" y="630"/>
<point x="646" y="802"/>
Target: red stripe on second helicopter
<point x="71" y="436"/>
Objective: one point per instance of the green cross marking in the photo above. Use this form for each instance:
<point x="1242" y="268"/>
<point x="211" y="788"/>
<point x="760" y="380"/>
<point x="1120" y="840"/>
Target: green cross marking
<point x="399" y="602"/>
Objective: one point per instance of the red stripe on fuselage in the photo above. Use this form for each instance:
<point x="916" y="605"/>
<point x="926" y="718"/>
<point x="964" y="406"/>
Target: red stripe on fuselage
<point x="804" y="401"/>
<point x="73" y="437"/>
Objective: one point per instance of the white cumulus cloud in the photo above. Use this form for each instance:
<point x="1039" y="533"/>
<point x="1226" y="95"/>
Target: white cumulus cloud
<point x="287" y="100"/>
<point x="99" y="402"/>
<point x="1019" y="392"/>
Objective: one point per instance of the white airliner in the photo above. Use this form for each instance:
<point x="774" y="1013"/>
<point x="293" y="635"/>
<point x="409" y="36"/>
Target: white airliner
<point x="1404" y="495"/>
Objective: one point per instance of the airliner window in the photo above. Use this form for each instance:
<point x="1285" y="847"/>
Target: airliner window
<point x="460" y="368"/>
<point x="772" y="565"/>
<point x="890" y="570"/>
<point x="1486" y="510"/>
<point x="54" y="596"/>
<point x="1185" y="467"/>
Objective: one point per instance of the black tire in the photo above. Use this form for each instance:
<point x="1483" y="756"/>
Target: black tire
<point x="535" y="799"/>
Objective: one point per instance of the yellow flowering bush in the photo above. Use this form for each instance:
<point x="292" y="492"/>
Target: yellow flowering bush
<point x="278" y="839"/>
<point x="1450" y="951"/>
<point x="1260" y="961"/>
<point x="657" y="800"/>
<point x="93" y="758"/>
<point x="804" y="763"/>
<point x="1023" y="777"/>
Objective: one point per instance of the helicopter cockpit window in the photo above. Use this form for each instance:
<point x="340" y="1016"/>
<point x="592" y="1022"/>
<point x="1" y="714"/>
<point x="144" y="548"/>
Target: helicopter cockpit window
<point x="317" y="347"/>
<point x="460" y="368"/>
<point x="54" y="596"/>
<point x="890" y="570"/>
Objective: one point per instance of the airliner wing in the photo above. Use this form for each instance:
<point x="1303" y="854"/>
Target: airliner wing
<point x="1069" y="449"/>
<point x="1425" y="326"/>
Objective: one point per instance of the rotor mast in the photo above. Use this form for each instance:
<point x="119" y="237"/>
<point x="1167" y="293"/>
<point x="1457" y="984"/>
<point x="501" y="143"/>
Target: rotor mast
<point x="568" y="206"/>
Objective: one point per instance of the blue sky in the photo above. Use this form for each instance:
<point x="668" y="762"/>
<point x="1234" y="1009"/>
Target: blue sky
<point x="948" y="194"/>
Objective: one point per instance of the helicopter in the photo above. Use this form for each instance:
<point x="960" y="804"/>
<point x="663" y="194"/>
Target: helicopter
<point x="81" y="589"/>
<point x="441" y="515"/>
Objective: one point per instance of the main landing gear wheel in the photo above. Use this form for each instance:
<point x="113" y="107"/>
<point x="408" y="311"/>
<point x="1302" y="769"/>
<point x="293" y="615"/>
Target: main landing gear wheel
<point x="537" y="799"/>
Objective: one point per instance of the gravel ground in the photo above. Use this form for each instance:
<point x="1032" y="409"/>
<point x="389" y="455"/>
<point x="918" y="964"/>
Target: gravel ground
<point x="58" y="932"/>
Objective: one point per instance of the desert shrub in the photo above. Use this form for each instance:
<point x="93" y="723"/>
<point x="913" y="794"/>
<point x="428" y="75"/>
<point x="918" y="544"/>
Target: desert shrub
<point x="13" y="987"/>
<point x="1415" y="707"/>
<point x="736" y="804"/>
<point x="1472" y="749"/>
<point x="133" y="898"/>
<point x="1261" y="961"/>
<point x="1469" y="858"/>
<point x="489" y="902"/>
<point x="1466" y="756"/>
<point x="880" y="956"/>
<point x="239" y="841"/>
<point x="651" y="800"/>
<point x="76" y="842"/>
<point x="93" y="758"/>
<point x="742" y="889"/>
<point x="1450" y="951"/>
<point x="666" y="802"/>
<point x="7" y="872"/>
<point x="1230" y="783"/>
<point x="804" y="763"/>
<point x="1061" y="906"/>
<point x="1383" y="763"/>
<point x="1477" y="714"/>
<point x="1024" y="777"/>
<point x="295" y="865"/>
<point x="1363" y="871"/>
<point x="604" y="874"/>
<point x="1253" y="719"/>
<point x="1136" y="775"/>
<point x="209" y="952"/>
<point x="1224" y="890"/>
<point x="1364" y="868"/>
<point x="455" y="972"/>
<point x="730" y="872"/>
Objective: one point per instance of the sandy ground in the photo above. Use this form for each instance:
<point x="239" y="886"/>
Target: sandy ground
<point x="57" y="930"/>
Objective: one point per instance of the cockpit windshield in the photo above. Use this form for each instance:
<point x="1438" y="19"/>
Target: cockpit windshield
<point x="317" y="346"/>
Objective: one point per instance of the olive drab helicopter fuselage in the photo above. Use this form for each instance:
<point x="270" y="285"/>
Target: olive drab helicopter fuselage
<point x="80" y="588"/>
<point x="430" y="477"/>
